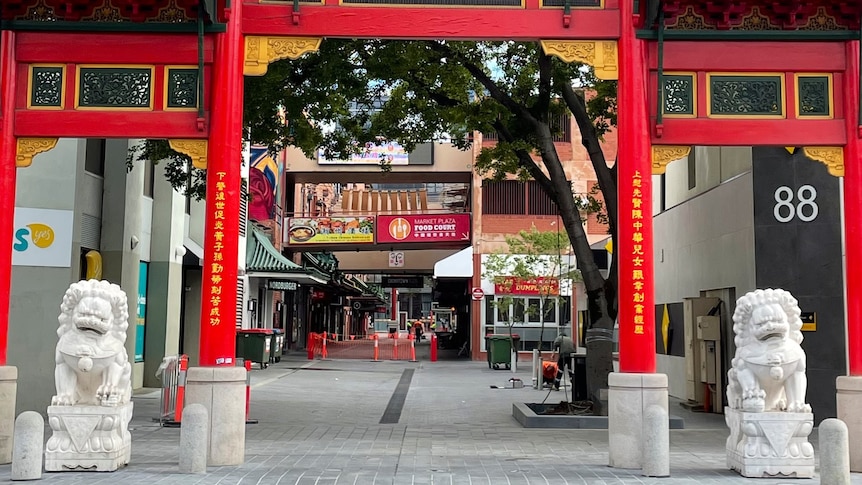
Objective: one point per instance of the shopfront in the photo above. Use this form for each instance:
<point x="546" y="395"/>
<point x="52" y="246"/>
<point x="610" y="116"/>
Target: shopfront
<point x="533" y="308"/>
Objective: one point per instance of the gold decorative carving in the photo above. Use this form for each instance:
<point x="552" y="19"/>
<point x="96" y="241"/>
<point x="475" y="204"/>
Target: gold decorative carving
<point x="30" y="147"/>
<point x="832" y="157"/>
<point x="690" y="20"/>
<point x="601" y="54"/>
<point x="260" y="51"/>
<point x="822" y="21"/>
<point x="757" y="21"/>
<point x="197" y="149"/>
<point x="664" y="154"/>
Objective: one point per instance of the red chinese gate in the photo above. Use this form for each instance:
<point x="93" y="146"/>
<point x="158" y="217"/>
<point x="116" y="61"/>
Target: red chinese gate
<point x="673" y="60"/>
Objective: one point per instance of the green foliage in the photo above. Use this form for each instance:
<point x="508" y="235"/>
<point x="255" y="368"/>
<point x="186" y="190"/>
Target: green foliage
<point x="352" y="92"/>
<point x="179" y="171"/>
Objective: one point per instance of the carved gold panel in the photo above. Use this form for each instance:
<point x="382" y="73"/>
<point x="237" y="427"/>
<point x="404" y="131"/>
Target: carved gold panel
<point x="196" y="149"/>
<point x="601" y="54"/>
<point x="260" y="51"/>
<point x="832" y="157"/>
<point x="664" y="154"/>
<point x="27" y="148"/>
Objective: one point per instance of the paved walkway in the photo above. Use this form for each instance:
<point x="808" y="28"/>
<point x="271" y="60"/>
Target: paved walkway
<point x="320" y="423"/>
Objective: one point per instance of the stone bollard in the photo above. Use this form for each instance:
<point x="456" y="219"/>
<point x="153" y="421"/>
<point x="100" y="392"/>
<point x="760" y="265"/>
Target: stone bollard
<point x="834" y="452"/>
<point x="28" y="440"/>
<point x="194" y="439"/>
<point x="656" y="450"/>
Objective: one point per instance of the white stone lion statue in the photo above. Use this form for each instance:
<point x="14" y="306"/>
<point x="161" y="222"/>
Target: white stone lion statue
<point x="92" y="363"/>
<point x="768" y="370"/>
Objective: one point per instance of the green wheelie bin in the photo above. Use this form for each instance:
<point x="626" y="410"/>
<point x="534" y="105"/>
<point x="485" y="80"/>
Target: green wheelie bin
<point x="255" y="344"/>
<point x="499" y="349"/>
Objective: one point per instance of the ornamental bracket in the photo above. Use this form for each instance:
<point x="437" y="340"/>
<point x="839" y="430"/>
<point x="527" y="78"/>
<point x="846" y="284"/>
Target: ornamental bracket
<point x="260" y="51"/>
<point x="664" y="154"/>
<point x="832" y="157"/>
<point x="601" y="54"/>
<point x="196" y="149"/>
<point x="27" y="148"/>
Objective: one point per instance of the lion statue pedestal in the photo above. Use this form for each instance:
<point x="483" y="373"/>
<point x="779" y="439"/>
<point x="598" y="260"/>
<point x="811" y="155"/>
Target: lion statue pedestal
<point x="90" y="414"/>
<point x="768" y="417"/>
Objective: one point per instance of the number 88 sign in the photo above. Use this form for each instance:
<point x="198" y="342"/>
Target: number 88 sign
<point x="785" y="209"/>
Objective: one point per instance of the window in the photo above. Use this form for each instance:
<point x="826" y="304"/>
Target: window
<point x="533" y="313"/>
<point x="504" y="197"/>
<point x="512" y="197"/>
<point x="560" y="125"/>
<point x="519" y="306"/>
<point x="501" y="318"/>
<point x="539" y="202"/>
<point x="94" y="159"/>
<point x="149" y="178"/>
<point x="692" y="170"/>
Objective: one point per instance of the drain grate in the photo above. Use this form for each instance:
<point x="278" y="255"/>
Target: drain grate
<point x="392" y="414"/>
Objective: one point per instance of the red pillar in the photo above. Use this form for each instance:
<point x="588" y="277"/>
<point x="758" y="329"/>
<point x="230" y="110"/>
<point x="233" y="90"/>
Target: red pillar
<point x="7" y="179"/>
<point x="221" y="239"/>
<point x="635" y="235"/>
<point x="853" y="211"/>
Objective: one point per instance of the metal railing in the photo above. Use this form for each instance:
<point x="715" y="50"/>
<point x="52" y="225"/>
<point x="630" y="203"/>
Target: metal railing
<point x="172" y="373"/>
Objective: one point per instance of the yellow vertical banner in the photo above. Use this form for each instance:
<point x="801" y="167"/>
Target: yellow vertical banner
<point x="665" y="326"/>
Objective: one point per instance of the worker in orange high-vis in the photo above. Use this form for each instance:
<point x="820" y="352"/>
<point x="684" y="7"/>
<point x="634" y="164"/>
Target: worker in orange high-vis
<point x="549" y="373"/>
<point x="417" y="330"/>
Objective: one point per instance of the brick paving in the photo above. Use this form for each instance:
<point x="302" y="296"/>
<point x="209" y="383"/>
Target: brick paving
<point x="319" y="423"/>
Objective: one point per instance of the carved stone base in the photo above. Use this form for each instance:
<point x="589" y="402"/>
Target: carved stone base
<point x="772" y="444"/>
<point x="92" y="438"/>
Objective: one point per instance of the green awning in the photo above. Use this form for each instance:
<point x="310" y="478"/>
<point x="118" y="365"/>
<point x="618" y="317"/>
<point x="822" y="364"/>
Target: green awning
<point x="264" y="261"/>
<point x="261" y="256"/>
<point x="323" y="261"/>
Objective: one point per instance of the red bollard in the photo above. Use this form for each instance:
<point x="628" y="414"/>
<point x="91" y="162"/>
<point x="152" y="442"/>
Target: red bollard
<point x="309" y="343"/>
<point x="181" y="388"/>
<point x="433" y="347"/>
<point x="323" y="353"/>
<point x="376" y="349"/>
<point x="248" y="392"/>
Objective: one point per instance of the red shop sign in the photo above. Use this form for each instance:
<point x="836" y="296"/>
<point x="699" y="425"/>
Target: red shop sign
<point x="410" y="228"/>
<point x="512" y="285"/>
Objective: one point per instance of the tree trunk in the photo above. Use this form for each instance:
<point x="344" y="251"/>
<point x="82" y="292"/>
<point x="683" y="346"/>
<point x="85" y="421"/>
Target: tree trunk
<point x="600" y="346"/>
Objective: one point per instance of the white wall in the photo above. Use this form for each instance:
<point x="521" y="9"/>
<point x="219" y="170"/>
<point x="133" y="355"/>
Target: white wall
<point x="705" y="240"/>
<point x="706" y="243"/>
<point x="52" y="181"/>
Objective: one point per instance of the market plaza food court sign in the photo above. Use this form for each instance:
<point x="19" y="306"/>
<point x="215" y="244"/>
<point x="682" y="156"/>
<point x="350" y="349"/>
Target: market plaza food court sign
<point x="396" y="228"/>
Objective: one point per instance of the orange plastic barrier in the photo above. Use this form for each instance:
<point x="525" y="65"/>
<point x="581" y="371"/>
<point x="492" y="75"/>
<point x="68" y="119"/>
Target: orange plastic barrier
<point x="376" y="348"/>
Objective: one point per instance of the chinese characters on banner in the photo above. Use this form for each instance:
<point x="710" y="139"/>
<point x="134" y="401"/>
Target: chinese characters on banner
<point x="217" y="265"/>
<point x="637" y="256"/>
<point x="218" y="305"/>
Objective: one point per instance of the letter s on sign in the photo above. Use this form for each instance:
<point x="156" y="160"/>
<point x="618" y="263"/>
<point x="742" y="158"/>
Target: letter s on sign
<point x="20" y="243"/>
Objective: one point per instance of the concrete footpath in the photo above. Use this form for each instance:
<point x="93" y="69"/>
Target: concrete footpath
<point x="361" y="422"/>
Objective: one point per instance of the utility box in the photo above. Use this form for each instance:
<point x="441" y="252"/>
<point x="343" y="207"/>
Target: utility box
<point x="693" y="308"/>
<point x="708" y="328"/>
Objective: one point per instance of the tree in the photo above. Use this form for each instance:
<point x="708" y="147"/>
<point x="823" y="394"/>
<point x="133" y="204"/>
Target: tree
<point x="537" y="256"/>
<point x="355" y="91"/>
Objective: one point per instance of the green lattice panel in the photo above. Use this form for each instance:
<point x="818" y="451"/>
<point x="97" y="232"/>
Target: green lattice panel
<point x="115" y="87"/>
<point x="47" y="87"/>
<point x="746" y="96"/>
<point x="813" y="96"/>
<point x="678" y="95"/>
<point x="182" y="88"/>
